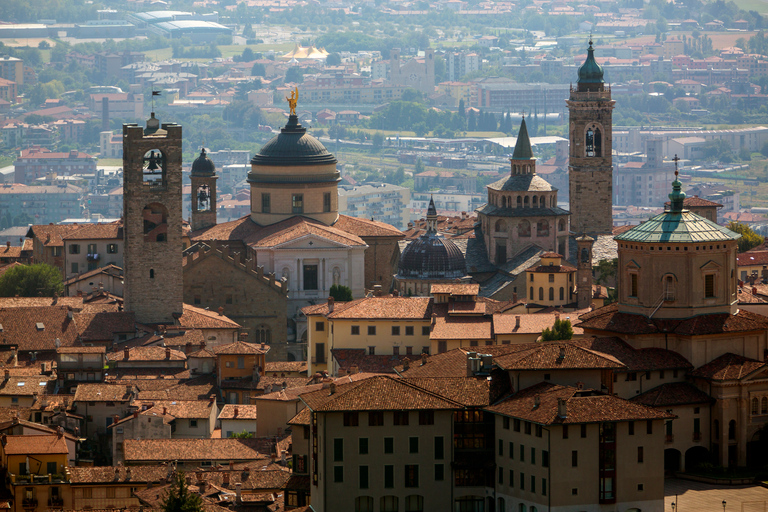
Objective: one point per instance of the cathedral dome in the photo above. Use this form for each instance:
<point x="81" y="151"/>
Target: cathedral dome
<point x="522" y="183"/>
<point x="203" y="166"/>
<point x="590" y="72"/>
<point x="432" y="257"/>
<point x="293" y="147"/>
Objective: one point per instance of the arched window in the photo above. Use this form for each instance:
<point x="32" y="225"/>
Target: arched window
<point x="519" y="201"/>
<point x="764" y="405"/>
<point x="363" y="504"/>
<point x="552" y="293"/>
<point x="522" y="507"/>
<point x="561" y="225"/>
<point x="155" y="217"/>
<point x="526" y="202"/>
<point x="502" y="505"/>
<point x="755" y="405"/>
<point x="562" y="293"/>
<point x="500" y="226"/>
<point x="503" y="202"/>
<point x="541" y="293"/>
<point x="153" y="169"/>
<point x="732" y="430"/>
<point x="388" y="504"/>
<point x="524" y="229"/>
<point x="203" y="198"/>
<point x="593" y="141"/>
<point x="534" y="202"/>
<point x="263" y="334"/>
<point x="414" y="503"/>
<point x="542" y="228"/>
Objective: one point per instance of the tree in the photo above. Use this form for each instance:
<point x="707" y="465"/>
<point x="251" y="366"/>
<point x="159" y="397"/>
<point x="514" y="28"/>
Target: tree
<point x="248" y="32"/>
<point x="333" y="59"/>
<point x="179" y="498"/>
<point x="258" y="69"/>
<point x="749" y="239"/>
<point x="38" y="280"/>
<point x="341" y="293"/>
<point x="378" y="140"/>
<point x="562" y="330"/>
<point x="294" y="74"/>
<point x="242" y="435"/>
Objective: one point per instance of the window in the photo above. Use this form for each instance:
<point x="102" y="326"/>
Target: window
<point x="511" y="450"/>
<point x="639" y="454"/>
<point x="327" y="202"/>
<point x="575" y="491"/>
<point x="50" y="468"/>
<point x="389" y="476"/>
<point x="241" y="362"/>
<point x="543" y="486"/>
<point x="511" y="478"/>
<point x="362" y="446"/>
<point x="355" y="330"/>
<point x="297" y="203"/>
<point x="401" y="417"/>
<point x="583" y="430"/>
<point x="639" y="487"/>
<point x="310" y="277"/>
<point x="375" y="418"/>
<point x="338" y="474"/>
<point x="501" y="447"/>
<point x="574" y="459"/>
<point x="55" y="251"/>
<point x="522" y="481"/>
<point x="319" y="326"/>
<point x="522" y="453"/>
<point x="363" y="477"/>
<point x="516" y="425"/>
<point x="351" y="419"/>
<point x="527" y="427"/>
<point x="505" y="422"/>
<point x="649" y="427"/>
<point x="111" y="248"/>
<point x="411" y="475"/>
<point x="631" y="427"/>
<point x="442" y="346"/>
<point x="439" y="472"/>
<point x="501" y="476"/>
<point x="92" y="249"/>
<point x="409" y="330"/>
<point x="192" y="423"/>
<point x="565" y="431"/>
<point x="266" y="206"/>
<point x="371" y="330"/>
<point x="75" y="268"/>
<point x="426" y="417"/>
<point x="372" y="350"/>
<point x="544" y="459"/>
<point x="395" y="330"/>
<point x="533" y="455"/>
<point x="413" y="445"/>
<point x="74" y="249"/>
<point x="389" y="445"/>
<point x="425" y="331"/>
<point x="763" y="406"/>
<point x="363" y="504"/>
<point x="633" y="285"/>
<point x="533" y="483"/>
<point x="709" y="285"/>
<point x="88" y="493"/>
<point x="439" y="448"/>
<point x="151" y="273"/>
<point x="110" y="492"/>
<point x="338" y="450"/>
<point x="732" y="430"/>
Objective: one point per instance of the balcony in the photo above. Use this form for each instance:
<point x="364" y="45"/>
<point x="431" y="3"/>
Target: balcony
<point x="29" y="503"/>
<point x="697" y="436"/>
<point x="56" y="502"/>
<point x="669" y="438"/>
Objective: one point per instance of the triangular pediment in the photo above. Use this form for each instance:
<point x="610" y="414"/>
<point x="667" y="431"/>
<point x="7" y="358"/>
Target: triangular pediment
<point x="310" y="242"/>
<point x="711" y="265"/>
<point x="633" y="265"/>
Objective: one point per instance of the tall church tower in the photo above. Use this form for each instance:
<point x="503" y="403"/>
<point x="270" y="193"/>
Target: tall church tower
<point x="203" y="177"/>
<point x="590" y="171"/>
<point x="152" y="210"/>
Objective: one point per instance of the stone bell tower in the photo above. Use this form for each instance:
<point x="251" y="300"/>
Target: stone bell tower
<point x="590" y="169"/>
<point x="203" y="177"/>
<point x="584" y="271"/>
<point x="152" y="218"/>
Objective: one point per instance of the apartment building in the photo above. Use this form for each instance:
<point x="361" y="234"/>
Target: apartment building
<point x="91" y="246"/>
<point x="382" y="201"/>
<point x="38" y="162"/>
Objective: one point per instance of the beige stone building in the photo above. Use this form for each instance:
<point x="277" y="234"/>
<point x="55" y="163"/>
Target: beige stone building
<point x="551" y="282"/>
<point x="92" y="246"/>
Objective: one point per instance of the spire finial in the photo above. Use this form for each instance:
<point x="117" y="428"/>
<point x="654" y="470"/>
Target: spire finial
<point x="677" y="196"/>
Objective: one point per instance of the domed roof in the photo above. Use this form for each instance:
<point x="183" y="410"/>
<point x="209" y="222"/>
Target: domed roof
<point x="293" y="147"/>
<point x="432" y="257"/>
<point x="522" y="183"/>
<point x="590" y="72"/>
<point x="203" y="166"/>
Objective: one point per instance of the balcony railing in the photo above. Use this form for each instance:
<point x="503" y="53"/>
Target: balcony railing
<point x="697" y="436"/>
<point x="29" y="503"/>
<point x="669" y="438"/>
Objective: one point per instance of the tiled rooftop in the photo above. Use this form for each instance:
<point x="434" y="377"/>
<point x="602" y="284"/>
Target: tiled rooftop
<point x="102" y="393"/>
<point x="117" y="474"/>
<point x="240" y="348"/>
<point x="728" y="367"/>
<point x="147" y="450"/>
<point x="238" y="412"/>
<point x="199" y="318"/>
<point x="37" y="328"/>
<point x="556" y="356"/>
<point x="30" y="445"/>
<point x="673" y="394"/>
<point x="147" y="354"/>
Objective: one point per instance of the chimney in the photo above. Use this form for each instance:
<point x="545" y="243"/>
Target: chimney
<point x="202" y="345"/>
<point x="8" y="244"/>
<point x="754" y="290"/>
<point x="354" y="369"/>
<point x="115" y="418"/>
<point x="406" y="363"/>
<point x="125" y="354"/>
<point x="201" y="486"/>
<point x="167" y="353"/>
<point x="165" y="410"/>
<point x="557" y="316"/>
<point x="231" y="465"/>
<point x="377" y="290"/>
<point x="562" y="354"/>
<point x="225" y="478"/>
<point x="237" y="491"/>
<point x="536" y="401"/>
<point x="562" y="409"/>
<point x="517" y="321"/>
<point x="221" y="311"/>
<point x="236" y="412"/>
<point x="331" y="301"/>
<point x="212" y="399"/>
<point x="333" y="388"/>
<point x="423" y="358"/>
<point x="135" y="414"/>
<point x="514" y="296"/>
<point x="117" y="473"/>
<point x="59" y="431"/>
<point x="128" y="473"/>
<point x="188" y="347"/>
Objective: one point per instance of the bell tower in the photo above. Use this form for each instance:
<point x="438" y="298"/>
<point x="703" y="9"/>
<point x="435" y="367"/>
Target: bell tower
<point x="584" y="271"/>
<point x="152" y="211"/>
<point x="590" y="169"/>
<point x="203" y="178"/>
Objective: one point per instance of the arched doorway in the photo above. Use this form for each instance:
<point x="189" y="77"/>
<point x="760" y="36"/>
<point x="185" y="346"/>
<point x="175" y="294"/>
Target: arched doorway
<point x="757" y="449"/>
<point x="671" y="460"/>
<point x="695" y="456"/>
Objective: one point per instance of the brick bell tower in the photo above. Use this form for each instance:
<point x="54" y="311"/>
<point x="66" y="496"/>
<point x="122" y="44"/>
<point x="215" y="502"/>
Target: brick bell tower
<point x="584" y="271"/>
<point x="590" y="169"/>
<point x="152" y="217"/>
<point x="203" y="177"/>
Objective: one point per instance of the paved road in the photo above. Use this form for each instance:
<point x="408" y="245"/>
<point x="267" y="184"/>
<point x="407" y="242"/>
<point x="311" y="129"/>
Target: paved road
<point x="701" y="497"/>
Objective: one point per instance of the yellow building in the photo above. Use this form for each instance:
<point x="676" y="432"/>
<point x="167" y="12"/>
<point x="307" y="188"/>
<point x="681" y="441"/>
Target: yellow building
<point x="752" y="263"/>
<point x="456" y="90"/>
<point x="551" y="282"/>
<point x="36" y="468"/>
<point x="239" y="367"/>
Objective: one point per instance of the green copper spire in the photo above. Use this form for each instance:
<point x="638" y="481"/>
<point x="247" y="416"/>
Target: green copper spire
<point x="590" y="72"/>
<point x="677" y="196"/>
<point x="523" y="144"/>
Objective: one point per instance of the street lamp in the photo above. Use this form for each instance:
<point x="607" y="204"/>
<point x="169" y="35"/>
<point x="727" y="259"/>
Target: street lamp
<point x="673" y="506"/>
<point x="723" y="505"/>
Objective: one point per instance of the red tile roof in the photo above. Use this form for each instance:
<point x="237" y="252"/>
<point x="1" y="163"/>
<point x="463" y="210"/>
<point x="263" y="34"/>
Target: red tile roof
<point x="347" y="358"/>
<point x="38" y="328"/>
<point x="102" y="393"/>
<point x="581" y="406"/>
<point x="117" y="474"/>
<point x="456" y="289"/>
<point x="33" y="445"/>
<point x="26" y="385"/>
<point x="199" y="318"/>
<point x="51" y="234"/>
<point x="556" y="356"/>
<point x="468" y="392"/>
<point x="225" y="450"/>
<point x="147" y="354"/>
<point x="506" y="323"/>
<point x="367" y="228"/>
<point x="636" y="360"/>
<point x="285" y="366"/>
<point x="448" y="364"/>
<point x="751" y="258"/>
<point x="240" y="348"/>
<point x="238" y="412"/>
<point x="672" y="394"/>
<point x="111" y="231"/>
<point x="104" y="326"/>
<point x="728" y="367"/>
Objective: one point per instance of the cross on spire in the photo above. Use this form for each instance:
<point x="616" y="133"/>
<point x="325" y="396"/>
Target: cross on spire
<point x="676" y="159"/>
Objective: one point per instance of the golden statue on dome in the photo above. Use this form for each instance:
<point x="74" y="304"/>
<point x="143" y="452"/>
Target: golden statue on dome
<point x="292" y="100"/>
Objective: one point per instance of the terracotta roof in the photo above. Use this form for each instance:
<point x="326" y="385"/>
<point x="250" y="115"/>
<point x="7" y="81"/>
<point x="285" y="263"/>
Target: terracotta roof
<point x="102" y="393"/>
<point x="109" y="270"/>
<point x="180" y="339"/>
<point x="751" y="258"/>
<point x="199" y="318"/>
<point x="81" y="350"/>
<point x="184" y="409"/>
<point x="466" y="391"/>
<point x="250" y="480"/>
<point x="10" y="251"/>
<point x="153" y="497"/>
<point x="506" y="323"/>
<point x="304" y="418"/>
<point x="144" y="450"/>
<point x="117" y="474"/>
<point x="26" y="385"/>
<point x="76" y="303"/>
<point x="9" y="413"/>
<point x="292" y="393"/>
<point x="448" y="364"/>
<point x="365" y="227"/>
<point x="456" y="289"/>
<point x="244" y="412"/>
<point x="581" y="406"/>
<point x="401" y="308"/>
<point x="447" y="327"/>
<point x="37" y="328"/>
<point x="39" y="444"/>
<point x="299" y="227"/>
<point x="728" y="367"/>
<point x="111" y="231"/>
<point x="551" y="269"/>
<point x="636" y="360"/>
<point x="285" y="366"/>
<point x="610" y="320"/>
<point x="671" y="394"/>
<point x="104" y="326"/>
<point x="347" y="358"/>
<point x="696" y="201"/>
<point x="378" y="393"/>
<point x="51" y="234"/>
<point x="556" y="356"/>
<point x="147" y="354"/>
<point x="240" y="348"/>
